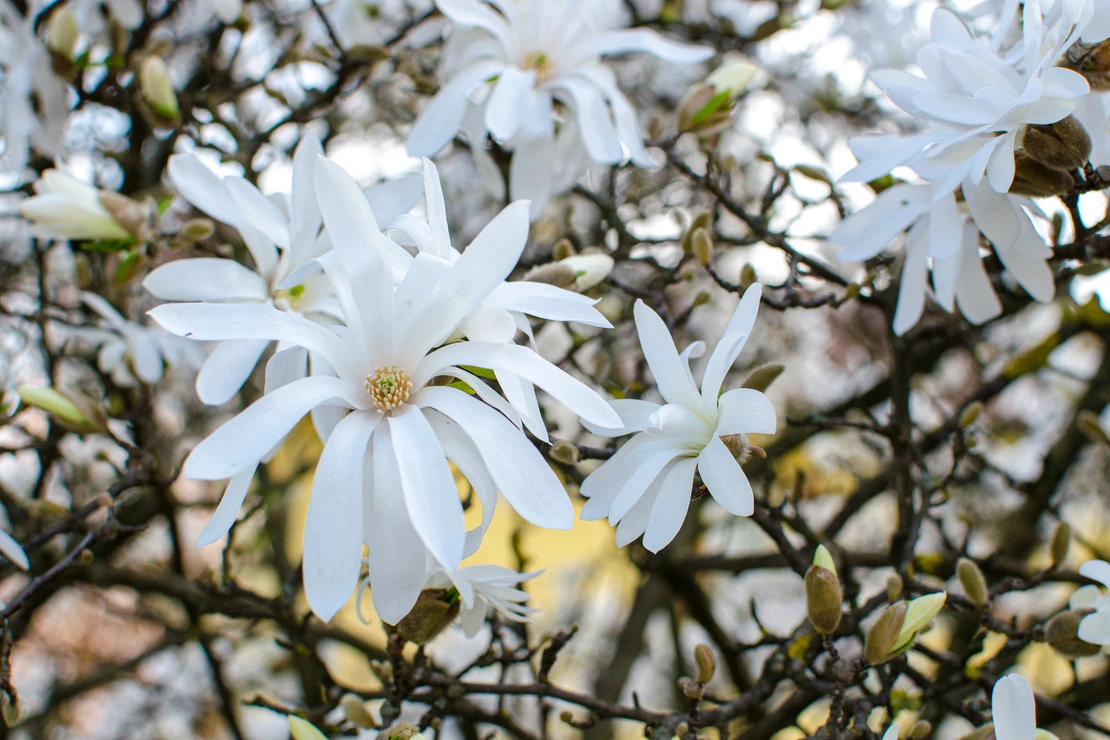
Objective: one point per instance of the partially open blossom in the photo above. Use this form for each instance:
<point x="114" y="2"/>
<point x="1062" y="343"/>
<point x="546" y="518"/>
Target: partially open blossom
<point x="525" y="57"/>
<point x="1095" y="626"/>
<point x="645" y="488"/>
<point x="157" y="88"/>
<point x="63" y="207"/>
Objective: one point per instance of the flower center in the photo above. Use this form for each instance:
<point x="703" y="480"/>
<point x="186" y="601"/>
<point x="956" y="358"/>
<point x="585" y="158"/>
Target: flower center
<point x="541" y="63"/>
<point x="389" y="387"/>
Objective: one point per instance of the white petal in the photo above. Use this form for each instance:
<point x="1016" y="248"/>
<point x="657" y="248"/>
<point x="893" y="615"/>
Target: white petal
<point x="333" y="524"/>
<point x="464" y="453"/>
<point x="975" y="296"/>
<point x="725" y="480"/>
<point x="1012" y="709"/>
<point x="206" y="279"/>
<point x="744" y="411"/>
<point x="911" y="290"/>
<point x="227" y="368"/>
<point x="595" y="123"/>
<point x="518" y="469"/>
<point x="473" y="14"/>
<point x="548" y="302"/>
<point x="652" y="459"/>
<point x="431" y="497"/>
<point x="1085" y="597"/>
<point x="642" y="40"/>
<point x="1096" y="570"/>
<point x="13" y="550"/>
<point x="671" y="504"/>
<point x="1095" y="628"/>
<point x="671" y="377"/>
<point x="259" y="211"/>
<point x="392" y="198"/>
<point x="306" y="218"/>
<point x="247" y="438"/>
<point x="228" y="509"/>
<point x="505" y="110"/>
<point x="285" y="366"/>
<point x="525" y="363"/>
<point x="439" y="232"/>
<point x="439" y="122"/>
<point x="634" y="415"/>
<point x="203" y="188"/>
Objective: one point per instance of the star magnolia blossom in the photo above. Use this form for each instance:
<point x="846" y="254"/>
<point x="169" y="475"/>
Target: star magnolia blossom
<point x="63" y="207"/>
<point x="130" y="352"/>
<point x="485" y="587"/>
<point x="282" y="235"/>
<point x="528" y="56"/>
<point x="28" y="84"/>
<point x="946" y="235"/>
<point x="976" y="103"/>
<point x="645" y="486"/>
<point x="1095" y="627"/>
<point x="383" y="477"/>
<point x="505" y="310"/>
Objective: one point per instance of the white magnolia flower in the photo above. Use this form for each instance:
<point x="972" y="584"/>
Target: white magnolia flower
<point x="282" y="234"/>
<point x="944" y="237"/>
<point x="975" y="102"/>
<point x="1014" y="710"/>
<point x="646" y="485"/>
<point x="383" y="477"/>
<point x="1094" y="628"/>
<point x="526" y="57"/>
<point x="485" y="587"/>
<point x="28" y="85"/>
<point x="63" y="207"/>
<point x="505" y="310"/>
<point x="129" y="350"/>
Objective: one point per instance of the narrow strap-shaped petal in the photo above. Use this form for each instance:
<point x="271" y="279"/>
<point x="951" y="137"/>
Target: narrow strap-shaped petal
<point x="725" y="480"/>
<point x="259" y="211"/>
<point x="440" y="233"/>
<point x="206" y="279"/>
<point x="673" y="380"/>
<point x="13" y="550"/>
<point x="438" y="123"/>
<point x="505" y="110"/>
<point x="640" y="39"/>
<point x="228" y="509"/>
<point x="203" y="188"/>
<point x="227" y="368"/>
<point x="671" y="504"/>
<point x="1012" y="709"/>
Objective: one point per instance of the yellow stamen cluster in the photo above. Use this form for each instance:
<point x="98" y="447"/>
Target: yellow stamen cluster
<point x="389" y="387"/>
<point x="541" y="63"/>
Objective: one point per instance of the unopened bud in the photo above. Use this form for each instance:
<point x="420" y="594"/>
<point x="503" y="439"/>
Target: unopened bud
<point x="703" y="246"/>
<point x="1062" y="633"/>
<point x="400" y="731"/>
<point x="739" y="445"/>
<point x="1088" y="423"/>
<point x="975" y="585"/>
<point x="383" y="670"/>
<point x="823" y="599"/>
<point x="565" y="453"/>
<point x="921" y="729"/>
<point x="356" y="711"/>
<point x="566" y="716"/>
<point x="919" y="613"/>
<point x="563" y="248"/>
<point x="197" y="230"/>
<point x="126" y="212"/>
<point x="706" y="662"/>
<point x="1061" y="543"/>
<point x="86" y="557"/>
<point x="1064" y="145"/>
<point x="63" y="34"/>
<point x="1035" y="180"/>
<point x="748" y="276"/>
<point x="893" y="587"/>
<point x="824" y="558"/>
<point x="434" y="610"/>
<point x="701" y="298"/>
<point x="157" y="88"/>
<point x="589" y="269"/>
<point x="75" y="413"/>
<point x="879" y="646"/>
<point x="10" y="707"/>
<point x="554" y="273"/>
<point x="970" y="414"/>
<point x="761" y="378"/>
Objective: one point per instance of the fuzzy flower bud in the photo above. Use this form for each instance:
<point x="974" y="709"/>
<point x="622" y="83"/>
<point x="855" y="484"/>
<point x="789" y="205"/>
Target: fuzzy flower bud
<point x="1061" y="543"/>
<point x="975" y="585"/>
<point x="702" y="244"/>
<point x="63" y="207"/>
<point x="881" y="638"/>
<point x="62" y="35"/>
<point x="970" y="414"/>
<point x="565" y="453"/>
<point x="706" y="662"/>
<point x="77" y="414"/>
<point x="1062" y="634"/>
<point x="563" y="248"/>
<point x="761" y="378"/>
<point x="434" y="611"/>
<point x="823" y="594"/>
<point x="1034" y="179"/>
<point x="157" y="89"/>
<point x="893" y="587"/>
<point x="748" y="276"/>
<point x="707" y="108"/>
<point x="1064" y="145"/>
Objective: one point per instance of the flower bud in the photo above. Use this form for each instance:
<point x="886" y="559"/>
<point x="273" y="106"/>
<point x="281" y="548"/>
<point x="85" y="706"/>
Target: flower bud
<point x="157" y="89"/>
<point x="77" y="414"/>
<point x="302" y="729"/>
<point x="62" y="36"/>
<point x="356" y="711"/>
<point x="434" y="610"/>
<point x="565" y="453"/>
<point x="1061" y="542"/>
<point x="554" y="273"/>
<point x="701" y="298"/>
<point x="761" y="378"/>
<point x="823" y="599"/>
<point x="824" y="558"/>
<point x="129" y="214"/>
<point x="702" y="244"/>
<point x="879" y="646"/>
<point x="970" y="414"/>
<point x="11" y="707"/>
<point x="400" y="731"/>
<point x="589" y="269"/>
<point x="1034" y="179"/>
<point x="921" y="729"/>
<point x="1064" y="145"/>
<point x="1062" y="633"/>
<point x="975" y="585"/>
<point x="739" y="445"/>
<point x="893" y="587"/>
<point x="707" y="108"/>
<point x="563" y="248"/>
<point x="197" y="230"/>
<point x="692" y="689"/>
<point x="919" y="613"/>
<point x="748" y="276"/>
<point x="706" y="662"/>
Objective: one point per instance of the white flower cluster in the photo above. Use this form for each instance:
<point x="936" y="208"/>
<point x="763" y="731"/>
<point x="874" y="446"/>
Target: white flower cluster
<point x="995" y="129"/>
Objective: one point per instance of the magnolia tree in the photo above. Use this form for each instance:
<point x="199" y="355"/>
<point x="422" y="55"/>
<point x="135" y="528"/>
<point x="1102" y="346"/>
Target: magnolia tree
<point x="554" y="368"/>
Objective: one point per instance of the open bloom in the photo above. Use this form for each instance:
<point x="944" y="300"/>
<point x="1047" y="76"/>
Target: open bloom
<point x="976" y="103"/>
<point x="282" y="234"/>
<point x="63" y="207"/>
<point x="1095" y="627"/>
<point x="130" y="352"/>
<point x="527" y="57"/>
<point x="485" y="587"/>
<point x="383" y="477"/>
<point x="645" y="487"/>
<point x="944" y="238"/>
<point x="34" y="101"/>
